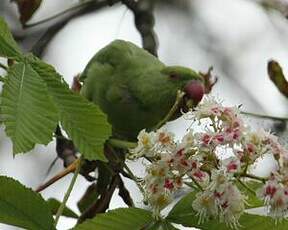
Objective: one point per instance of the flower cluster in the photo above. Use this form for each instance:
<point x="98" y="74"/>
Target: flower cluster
<point x="198" y="160"/>
<point x="275" y="195"/>
<point x="153" y="144"/>
<point x="220" y="199"/>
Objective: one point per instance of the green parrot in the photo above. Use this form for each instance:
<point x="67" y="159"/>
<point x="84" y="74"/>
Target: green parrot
<point x="135" y="89"/>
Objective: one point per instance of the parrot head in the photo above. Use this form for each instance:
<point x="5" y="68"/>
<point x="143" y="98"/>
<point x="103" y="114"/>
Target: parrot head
<point x="187" y="80"/>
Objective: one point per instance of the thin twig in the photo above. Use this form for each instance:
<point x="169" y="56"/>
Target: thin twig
<point x="122" y="144"/>
<point x="135" y="179"/>
<point x="262" y="116"/>
<point x="124" y="193"/>
<point x="197" y="184"/>
<point x="172" y="111"/>
<point x="40" y="45"/>
<point x="246" y="187"/>
<point x="3" y="66"/>
<point x="191" y="185"/>
<point x="73" y="8"/>
<point x="262" y="179"/>
<point x="71" y="168"/>
<point x="68" y="192"/>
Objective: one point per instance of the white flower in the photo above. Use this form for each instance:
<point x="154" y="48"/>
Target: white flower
<point x="209" y="107"/>
<point x="188" y="140"/>
<point x="205" y="206"/>
<point x="253" y="146"/>
<point x="165" y="138"/>
<point x="221" y="200"/>
<point x="232" y="205"/>
<point x="231" y="164"/>
<point x="196" y="159"/>
<point x="275" y="196"/>
<point x="160" y="183"/>
<point x="146" y="142"/>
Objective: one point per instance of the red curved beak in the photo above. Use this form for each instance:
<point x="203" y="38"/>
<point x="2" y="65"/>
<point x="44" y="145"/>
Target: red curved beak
<point x="194" y="90"/>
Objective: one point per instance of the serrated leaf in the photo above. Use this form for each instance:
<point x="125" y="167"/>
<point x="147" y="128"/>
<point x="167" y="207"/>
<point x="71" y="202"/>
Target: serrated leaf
<point x="119" y="219"/>
<point x="54" y="205"/>
<point x="83" y="121"/>
<point x="29" y="115"/>
<point x="183" y="213"/>
<point x="8" y="46"/>
<point x="27" y="8"/>
<point x="20" y="206"/>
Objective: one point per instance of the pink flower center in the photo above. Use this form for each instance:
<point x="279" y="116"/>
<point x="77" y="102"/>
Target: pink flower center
<point x="169" y="184"/>
<point x="270" y="191"/>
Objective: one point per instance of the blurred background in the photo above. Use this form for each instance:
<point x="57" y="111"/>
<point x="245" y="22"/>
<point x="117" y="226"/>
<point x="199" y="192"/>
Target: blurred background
<point x="236" y="37"/>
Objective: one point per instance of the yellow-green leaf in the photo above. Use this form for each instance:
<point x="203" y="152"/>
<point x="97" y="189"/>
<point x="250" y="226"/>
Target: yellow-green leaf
<point x="8" y="46"/>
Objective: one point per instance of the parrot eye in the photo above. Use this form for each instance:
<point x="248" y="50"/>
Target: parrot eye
<point x="174" y="76"/>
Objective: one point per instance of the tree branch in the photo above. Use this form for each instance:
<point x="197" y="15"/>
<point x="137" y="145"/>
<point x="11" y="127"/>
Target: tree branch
<point x="144" y="22"/>
<point x="91" y="6"/>
<point x="102" y="203"/>
<point x="71" y="168"/>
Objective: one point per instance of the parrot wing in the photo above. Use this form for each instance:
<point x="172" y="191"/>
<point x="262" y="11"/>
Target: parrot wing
<point x="122" y="79"/>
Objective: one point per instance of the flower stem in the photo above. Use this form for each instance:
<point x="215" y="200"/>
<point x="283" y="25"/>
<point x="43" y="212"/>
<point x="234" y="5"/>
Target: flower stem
<point x="122" y="144"/>
<point x="264" y="116"/>
<point x="130" y="173"/>
<point x="246" y="187"/>
<point x="191" y="185"/>
<point x="262" y="179"/>
<point x="172" y="111"/>
<point x="197" y="184"/>
<point x="68" y="192"/>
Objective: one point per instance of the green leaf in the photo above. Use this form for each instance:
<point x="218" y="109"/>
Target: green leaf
<point x="28" y="112"/>
<point x="20" y="206"/>
<point x="83" y="121"/>
<point x="252" y="200"/>
<point x="8" y="46"/>
<point x="119" y="219"/>
<point x="54" y="205"/>
<point x="161" y="225"/>
<point x="182" y="213"/>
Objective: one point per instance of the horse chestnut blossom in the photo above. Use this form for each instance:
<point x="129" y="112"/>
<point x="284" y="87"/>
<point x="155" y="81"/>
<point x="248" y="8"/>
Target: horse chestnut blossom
<point x="275" y="195"/>
<point x="199" y="161"/>
<point x="154" y="143"/>
<point x="220" y="199"/>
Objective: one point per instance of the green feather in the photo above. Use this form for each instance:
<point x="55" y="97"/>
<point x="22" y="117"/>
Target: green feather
<point x="132" y="87"/>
